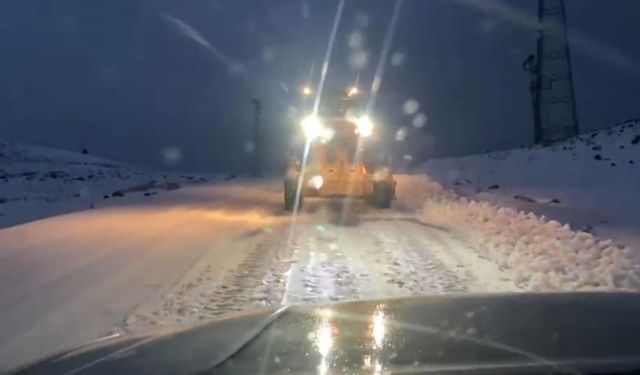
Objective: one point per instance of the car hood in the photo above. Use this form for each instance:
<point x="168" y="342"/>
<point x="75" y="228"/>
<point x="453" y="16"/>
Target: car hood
<point x="579" y="332"/>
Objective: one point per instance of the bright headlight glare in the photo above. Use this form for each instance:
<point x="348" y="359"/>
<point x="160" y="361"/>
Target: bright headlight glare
<point x="312" y="127"/>
<point x="316" y="182"/>
<point x="327" y="134"/>
<point x="364" y="126"/>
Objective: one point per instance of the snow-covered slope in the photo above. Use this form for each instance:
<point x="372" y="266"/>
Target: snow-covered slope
<point x="37" y="182"/>
<point x="591" y="182"/>
<point x="543" y="254"/>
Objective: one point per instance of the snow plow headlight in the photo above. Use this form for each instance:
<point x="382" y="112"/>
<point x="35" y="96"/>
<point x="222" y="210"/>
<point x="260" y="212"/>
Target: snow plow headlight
<point x="307" y="91"/>
<point x="312" y="127"/>
<point x="364" y="126"/>
<point x="316" y="182"/>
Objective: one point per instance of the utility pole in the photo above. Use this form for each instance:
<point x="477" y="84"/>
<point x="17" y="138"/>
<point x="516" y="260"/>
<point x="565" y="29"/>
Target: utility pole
<point x="551" y="77"/>
<point x="257" y="139"/>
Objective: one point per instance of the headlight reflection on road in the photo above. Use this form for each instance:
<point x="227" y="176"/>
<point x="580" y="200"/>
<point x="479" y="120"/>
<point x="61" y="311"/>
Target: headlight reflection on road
<point x="323" y="339"/>
<point x="379" y="327"/>
<point x="377" y="368"/>
<point x="377" y="333"/>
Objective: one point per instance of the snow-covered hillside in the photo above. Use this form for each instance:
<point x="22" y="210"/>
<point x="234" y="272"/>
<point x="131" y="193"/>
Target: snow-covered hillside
<point x="37" y="182"/>
<point x="591" y="181"/>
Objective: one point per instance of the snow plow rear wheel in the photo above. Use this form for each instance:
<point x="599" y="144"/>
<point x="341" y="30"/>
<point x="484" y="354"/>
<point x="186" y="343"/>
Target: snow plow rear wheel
<point x="290" y="196"/>
<point x="382" y="195"/>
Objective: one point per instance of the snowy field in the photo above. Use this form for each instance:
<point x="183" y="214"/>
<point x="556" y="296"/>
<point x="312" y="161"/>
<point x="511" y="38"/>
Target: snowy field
<point x="37" y="182"/>
<point x="139" y="250"/>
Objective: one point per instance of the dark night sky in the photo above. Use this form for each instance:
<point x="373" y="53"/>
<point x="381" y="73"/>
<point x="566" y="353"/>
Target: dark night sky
<point x="133" y="79"/>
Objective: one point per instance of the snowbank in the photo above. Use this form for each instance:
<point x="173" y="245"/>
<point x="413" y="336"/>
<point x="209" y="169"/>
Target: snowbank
<point x="544" y="254"/>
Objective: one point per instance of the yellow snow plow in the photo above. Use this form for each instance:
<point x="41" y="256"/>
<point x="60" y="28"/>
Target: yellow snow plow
<point x="335" y="166"/>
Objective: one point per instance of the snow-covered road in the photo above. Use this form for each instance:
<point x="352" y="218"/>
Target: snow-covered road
<point x="380" y="257"/>
<point x="200" y="252"/>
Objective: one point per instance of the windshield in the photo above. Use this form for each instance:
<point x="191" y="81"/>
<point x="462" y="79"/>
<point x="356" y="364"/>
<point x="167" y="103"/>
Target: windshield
<point x="174" y="162"/>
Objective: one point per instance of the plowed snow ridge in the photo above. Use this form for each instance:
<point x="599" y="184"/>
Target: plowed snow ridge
<point x="544" y="254"/>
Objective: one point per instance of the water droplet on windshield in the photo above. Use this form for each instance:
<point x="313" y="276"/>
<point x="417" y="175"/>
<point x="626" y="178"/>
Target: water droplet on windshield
<point x="305" y="10"/>
<point x="411" y="106"/>
<point x="356" y="40"/>
<point x="172" y="155"/>
<point x="401" y="134"/>
<point x="237" y="68"/>
<point x="268" y="54"/>
<point x="398" y="59"/>
<point x="420" y="120"/>
<point x="358" y="59"/>
<point x="362" y="20"/>
<point x="249" y="146"/>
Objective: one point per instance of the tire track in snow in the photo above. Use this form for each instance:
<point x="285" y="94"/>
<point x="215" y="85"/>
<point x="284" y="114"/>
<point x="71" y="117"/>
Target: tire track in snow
<point x="414" y="270"/>
<point x="321" y="272"/>
<point x="258" y="281"/>
<point x="323" y="264"/>
<point x="476" y="273"/>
